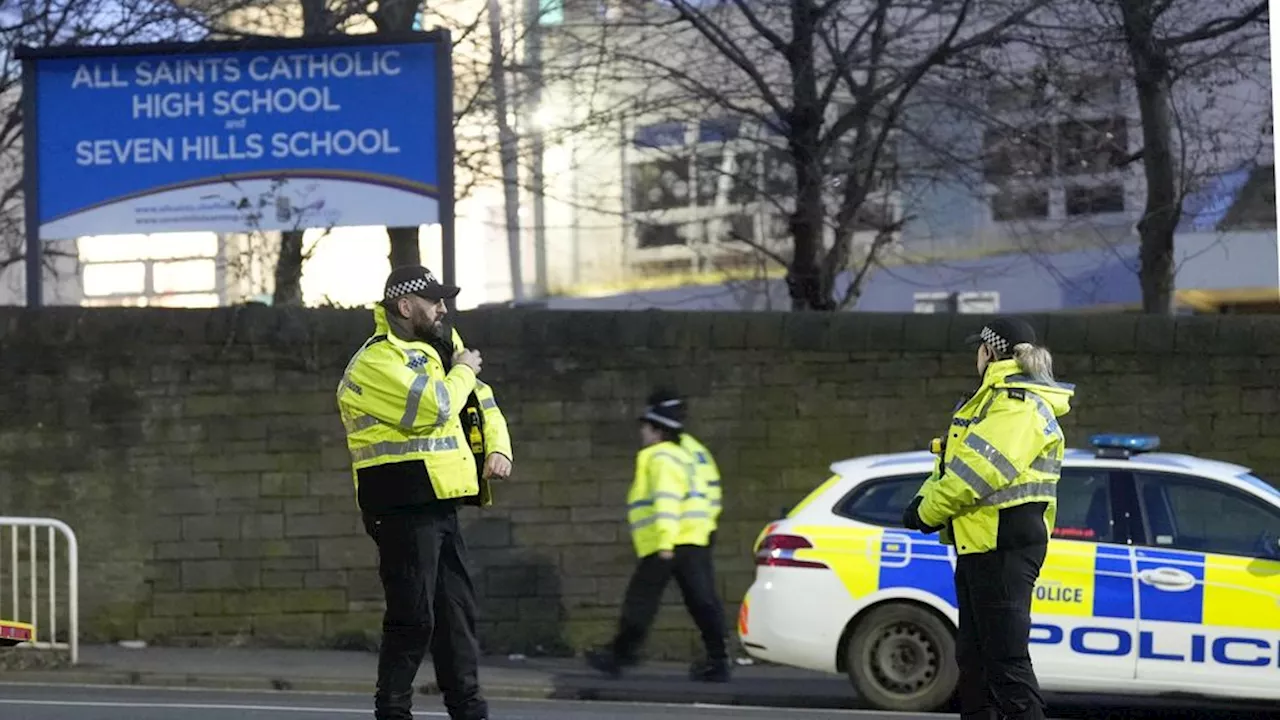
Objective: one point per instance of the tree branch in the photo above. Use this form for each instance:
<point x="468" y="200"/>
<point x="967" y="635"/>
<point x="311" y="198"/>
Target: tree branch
<point x="1217" y="27"/>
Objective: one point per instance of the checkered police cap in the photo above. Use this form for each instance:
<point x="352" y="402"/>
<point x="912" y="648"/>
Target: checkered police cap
<point x="1003" y="334"/>
<point x="416" y="280"/>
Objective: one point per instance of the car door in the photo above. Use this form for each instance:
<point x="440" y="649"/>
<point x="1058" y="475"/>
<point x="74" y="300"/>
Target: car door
<point x="1083" y="617"/>
<point x="1209" y="584"/>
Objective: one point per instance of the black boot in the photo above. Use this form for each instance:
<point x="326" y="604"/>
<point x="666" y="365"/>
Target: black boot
<point x="605" y="661"/>
<point x="710" y="671"/>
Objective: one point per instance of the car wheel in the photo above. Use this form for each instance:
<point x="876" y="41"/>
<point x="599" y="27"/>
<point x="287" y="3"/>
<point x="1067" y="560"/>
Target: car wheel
<point x="902" y="657"/>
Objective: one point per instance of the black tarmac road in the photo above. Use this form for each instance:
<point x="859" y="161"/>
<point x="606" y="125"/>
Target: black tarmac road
<point x="78" y="702"/>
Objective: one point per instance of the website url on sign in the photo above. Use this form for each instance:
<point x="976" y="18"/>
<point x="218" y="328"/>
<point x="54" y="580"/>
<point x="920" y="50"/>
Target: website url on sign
<point x="185" y="213"/>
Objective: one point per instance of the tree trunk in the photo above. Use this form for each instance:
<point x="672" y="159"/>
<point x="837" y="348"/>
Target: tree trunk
<point x="288" y="280"/>
<point x="1164" y="194"/>
<point x="508" y="151"/>
<point x="398" y="16"/>
<point x="316" y="20"/>
<point x="806" y="284"/>
<point x="404" y="247"/>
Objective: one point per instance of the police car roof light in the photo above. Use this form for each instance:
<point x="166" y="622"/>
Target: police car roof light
<point x="1121" y="445"/>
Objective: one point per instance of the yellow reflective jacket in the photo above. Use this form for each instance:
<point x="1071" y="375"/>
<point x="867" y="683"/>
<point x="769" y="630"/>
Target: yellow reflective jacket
<point x="707" y="473"/>
<point x="398" y="404"/>
<point x="1004" y="448"/>
<point x="664" y="506"/>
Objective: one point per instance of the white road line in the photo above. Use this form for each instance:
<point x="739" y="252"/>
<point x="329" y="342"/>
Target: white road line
<point x="200" y="706"/>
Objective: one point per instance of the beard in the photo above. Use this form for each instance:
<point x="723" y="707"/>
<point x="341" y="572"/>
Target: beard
<point x="427" y="329"/>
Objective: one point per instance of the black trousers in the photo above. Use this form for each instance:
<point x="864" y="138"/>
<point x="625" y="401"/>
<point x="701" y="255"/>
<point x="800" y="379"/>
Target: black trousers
<point x="695" y="575"/>
<point x="430" y="604"/>
<point x="994" y="591"/>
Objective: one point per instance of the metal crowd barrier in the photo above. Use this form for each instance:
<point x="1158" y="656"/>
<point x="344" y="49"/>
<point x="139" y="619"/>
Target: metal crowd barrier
<point x="37" y="553"/>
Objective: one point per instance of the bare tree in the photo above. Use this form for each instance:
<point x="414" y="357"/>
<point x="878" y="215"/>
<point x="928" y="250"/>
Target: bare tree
<point x="829" y="81"/>
<point x="1183" y="64"/>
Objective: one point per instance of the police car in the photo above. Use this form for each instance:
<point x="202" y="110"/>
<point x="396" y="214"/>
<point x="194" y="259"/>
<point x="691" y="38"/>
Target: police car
<point x="1163" y="576"/>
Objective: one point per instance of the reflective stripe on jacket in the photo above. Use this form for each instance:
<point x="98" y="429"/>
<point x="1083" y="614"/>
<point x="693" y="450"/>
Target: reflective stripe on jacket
<point x="707" y="473"/>
<point x="1004" y="448"/>
<point x="398" y="404"/>
<point x="664" y="506"/>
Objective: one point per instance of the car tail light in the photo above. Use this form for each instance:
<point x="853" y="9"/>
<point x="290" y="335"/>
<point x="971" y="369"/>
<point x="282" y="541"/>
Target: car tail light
<point x="779" y="551"/>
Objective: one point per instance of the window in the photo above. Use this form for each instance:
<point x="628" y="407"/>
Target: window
<point x="1013" y="153"/>
<point x="1086" y="200"/>
<point x="709" y="174"/>
<point x="1020" y="205"/>
<point x="115" y="278"/>
<point x="881" y="501"/>
<point x="737" y="227"/>
<point x="1185" y="513"/>
<point x="987" y="303"/>
<point x="1084" y="506"/>
<point x="660" y="185"/>
<point x="652" y="235"/>
<point x="1095" y="146"/>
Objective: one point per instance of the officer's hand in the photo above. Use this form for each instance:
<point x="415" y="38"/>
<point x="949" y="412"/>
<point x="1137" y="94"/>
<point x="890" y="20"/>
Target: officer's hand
<point x="666" y="554"/>
<point x="470" y="358"/>
<point x="911" y="515"/>
<point x="497" y="466"/>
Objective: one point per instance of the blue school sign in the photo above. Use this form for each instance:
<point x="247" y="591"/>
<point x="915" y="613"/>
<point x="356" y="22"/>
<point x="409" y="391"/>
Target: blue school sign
<point x="236" y="137"/>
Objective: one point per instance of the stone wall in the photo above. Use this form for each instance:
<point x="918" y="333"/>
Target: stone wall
<point x="199" y="456"/>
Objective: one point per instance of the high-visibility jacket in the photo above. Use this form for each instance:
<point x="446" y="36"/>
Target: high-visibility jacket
<point x="707" y="473"/>
<point x="398" y="404"/>
<point x="1004" y="449"/>
<point x="664" y="506"/>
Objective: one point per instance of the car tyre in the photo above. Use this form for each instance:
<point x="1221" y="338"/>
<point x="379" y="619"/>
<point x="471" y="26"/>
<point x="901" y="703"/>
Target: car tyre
<point x="902" y="657"/>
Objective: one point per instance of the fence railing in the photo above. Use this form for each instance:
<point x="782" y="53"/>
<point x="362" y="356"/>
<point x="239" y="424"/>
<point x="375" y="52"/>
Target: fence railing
<point x="15" y="532"/>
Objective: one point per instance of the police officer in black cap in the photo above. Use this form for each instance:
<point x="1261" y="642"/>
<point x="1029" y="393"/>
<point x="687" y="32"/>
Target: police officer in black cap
<point x="426" y="436"/>
<point x="993" y="495"/>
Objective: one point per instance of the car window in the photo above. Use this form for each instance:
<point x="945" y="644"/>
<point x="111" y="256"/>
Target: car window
<point x="1186" y="513"/>
<point x="1084" y="505"/>
<point x="880" y="501"/>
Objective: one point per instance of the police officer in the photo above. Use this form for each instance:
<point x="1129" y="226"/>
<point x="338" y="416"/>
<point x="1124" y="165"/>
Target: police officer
<point x="993" y="496"/>
<point x="670" y="529"/>
<point x="403" y="400"/>
<point x="705" y="467"/>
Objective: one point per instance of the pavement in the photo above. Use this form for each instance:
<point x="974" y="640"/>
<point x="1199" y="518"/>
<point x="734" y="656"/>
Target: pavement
<point x="354" y="672"/>
<point x="113" y="683"/>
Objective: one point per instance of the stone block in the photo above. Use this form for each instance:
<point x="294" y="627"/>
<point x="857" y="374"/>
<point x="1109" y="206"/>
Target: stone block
<point x="331" y="483"/>
<point x="354" y="552"/>
<point x="212" y="625"/>
<point x="210" y="527"/>
<point x="320" y="526"/>
<point x="220" y="574"/>
<point x="187" y="550"/>
<point x="302" y="629"/>
<point x="600" y="514"/>
<point x="284" y="484"/>
<point x="1195" y="335"/>
<point x="276" y="602"/>
<point x="166" y="528"/>
<point x="282" y="579"/>
<point x="234" y="463"/>
<point x="184" y="501"/>
<point x="326" y="579"/>
<point x="353" y="623"/>
<point x="302" y="506"/>
<point x="262" y="527"/>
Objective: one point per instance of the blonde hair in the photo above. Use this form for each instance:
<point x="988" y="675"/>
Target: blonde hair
<point x="1034" y="361"/>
